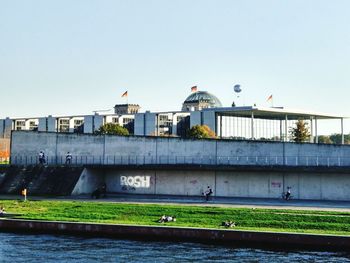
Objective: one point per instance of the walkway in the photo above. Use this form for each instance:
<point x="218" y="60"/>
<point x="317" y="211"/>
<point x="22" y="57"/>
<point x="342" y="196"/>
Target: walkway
<point x="340" y="206"/>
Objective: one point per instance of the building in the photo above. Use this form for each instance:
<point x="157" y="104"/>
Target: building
<point x="199" y="108"/>
<point x="70" y="124"/>
<point x="126" y="109"/>
<point x="200" y="100"/>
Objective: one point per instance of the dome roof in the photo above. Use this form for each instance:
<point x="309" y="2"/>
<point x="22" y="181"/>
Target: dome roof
<point x="204" y="96"/>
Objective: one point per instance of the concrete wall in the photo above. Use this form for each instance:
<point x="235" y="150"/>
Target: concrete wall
<point x="210" y="120"/>
<point x="271" y="240"/>
<point x="139" y="128"/>
<point x="312" y="186"/>
<point x="2" y="128"/>
<point x="90" y="179"/>
<point x="5" y="128"/>
<point x="145" y="123"/>
<point x="140" y="150"/>
<point x="137" y="150"/>
<point x="195" y="118"/>
<point x="24" y="142"/>
<point x="150" y="123"/>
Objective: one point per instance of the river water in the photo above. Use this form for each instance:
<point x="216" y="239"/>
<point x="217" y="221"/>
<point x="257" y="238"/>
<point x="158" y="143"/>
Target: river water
<point x="49" y="248"/>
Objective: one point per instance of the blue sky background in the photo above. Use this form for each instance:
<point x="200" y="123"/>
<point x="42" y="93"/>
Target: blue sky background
<point x="74" y="57"/>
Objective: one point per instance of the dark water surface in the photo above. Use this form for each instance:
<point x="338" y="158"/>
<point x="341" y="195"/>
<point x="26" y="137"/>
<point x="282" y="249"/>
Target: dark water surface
<point x="48" y="248"/>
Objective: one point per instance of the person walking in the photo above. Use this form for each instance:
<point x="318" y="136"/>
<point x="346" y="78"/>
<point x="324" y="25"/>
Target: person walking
<point x="288" y="194"/>
<point x="208" y="193"/>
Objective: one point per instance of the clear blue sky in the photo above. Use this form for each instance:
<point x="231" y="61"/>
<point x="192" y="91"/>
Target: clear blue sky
<point x="73" y="57"/>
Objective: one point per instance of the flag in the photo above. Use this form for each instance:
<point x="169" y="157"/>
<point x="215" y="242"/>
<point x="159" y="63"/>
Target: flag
<point x="125" y="94"/>
<point x="194" y="89"/>
<point x="269" y="98"/>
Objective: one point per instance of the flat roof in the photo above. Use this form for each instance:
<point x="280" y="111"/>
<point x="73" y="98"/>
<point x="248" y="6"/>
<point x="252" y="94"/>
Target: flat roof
<point x="70" y="116"/>
<point x="273" y="113"/>
<point x="241" y="111"/>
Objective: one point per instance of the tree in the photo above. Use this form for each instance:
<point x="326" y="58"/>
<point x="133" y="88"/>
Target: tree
<point x="112" y="129"/>
<point x="337" y="138"/>
<point x="201" y="132"/>
<point x="324" y="139"/>
<point x="301" y="132"/>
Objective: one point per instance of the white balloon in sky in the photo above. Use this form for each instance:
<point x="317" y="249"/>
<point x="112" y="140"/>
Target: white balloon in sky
<point x="237" y="88"/>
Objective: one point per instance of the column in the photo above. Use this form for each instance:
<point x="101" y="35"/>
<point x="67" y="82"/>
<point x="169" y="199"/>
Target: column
<point x="97" y="122"/>
<point x="311" y="131"/>
<point x="286" y="129"/>
<point x="316" y="134"/>
<point x="88" y="124"/>
<point x="342" y="130"/>
<point x="220" y="125"/>
<point x="252" y="125"/>
<point x="174" y="126"/>
<point x="8" y="126"/>
<point x="71" y="125"/>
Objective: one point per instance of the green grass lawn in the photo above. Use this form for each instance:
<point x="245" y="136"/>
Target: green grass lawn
<point x="301" y="221"/>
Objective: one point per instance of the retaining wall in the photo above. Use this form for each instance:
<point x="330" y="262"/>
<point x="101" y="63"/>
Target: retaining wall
<point x="228" y="237"/>
<point x="241" y="183"/>
<point x="179" y="180"/>
<point x="25" y="146"/>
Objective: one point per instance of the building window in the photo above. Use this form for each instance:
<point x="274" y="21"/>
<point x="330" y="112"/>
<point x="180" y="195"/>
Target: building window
<point x="63" y="125"/>
<point x="165" y="125"/>
<point x="78" y="126"/>
<point x="20" y="125"/>
<point x="33" y="126"/>
<point x="127" y="121"/>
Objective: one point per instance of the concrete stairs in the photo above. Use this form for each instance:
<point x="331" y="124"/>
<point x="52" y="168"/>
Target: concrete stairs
<point x="39" y="180"/>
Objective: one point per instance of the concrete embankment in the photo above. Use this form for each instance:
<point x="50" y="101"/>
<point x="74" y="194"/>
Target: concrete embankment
<point x="222" y="237"/>
<point x="39" y="180"/>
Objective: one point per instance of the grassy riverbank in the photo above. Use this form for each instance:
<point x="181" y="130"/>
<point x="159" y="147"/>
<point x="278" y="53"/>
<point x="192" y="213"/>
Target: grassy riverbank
<point x="320" y="222"/>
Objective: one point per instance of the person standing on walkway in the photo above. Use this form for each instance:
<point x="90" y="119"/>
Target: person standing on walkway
<point x="69" y="158"/>
<point x="41" y="157"/>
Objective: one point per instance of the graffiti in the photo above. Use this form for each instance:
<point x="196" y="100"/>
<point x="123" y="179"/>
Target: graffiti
<point x="135" y="181"/>
<point x="276" y="184"/>
<point x="128" y="188"/>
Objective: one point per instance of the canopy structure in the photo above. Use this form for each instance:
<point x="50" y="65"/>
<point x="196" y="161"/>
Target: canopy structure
<point x="266" y="123"/>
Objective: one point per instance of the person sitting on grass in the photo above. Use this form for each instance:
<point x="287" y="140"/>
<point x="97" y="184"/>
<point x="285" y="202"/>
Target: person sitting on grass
<point x="165" y="219"/>
<point x="2" y="211"/>
<point x="228" y="224"/>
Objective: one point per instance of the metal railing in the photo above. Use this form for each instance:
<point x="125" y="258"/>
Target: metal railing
<point x="186" y="160"/>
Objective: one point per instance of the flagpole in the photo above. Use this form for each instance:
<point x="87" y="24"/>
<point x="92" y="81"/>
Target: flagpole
<point x="125" y="94"/>
<point x="270" y="99"/>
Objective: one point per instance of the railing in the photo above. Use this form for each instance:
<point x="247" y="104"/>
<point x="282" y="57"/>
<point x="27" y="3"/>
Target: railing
<point x="186" y="160"/>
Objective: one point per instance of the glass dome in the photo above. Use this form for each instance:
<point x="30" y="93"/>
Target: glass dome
<point x="204" y="96"/>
